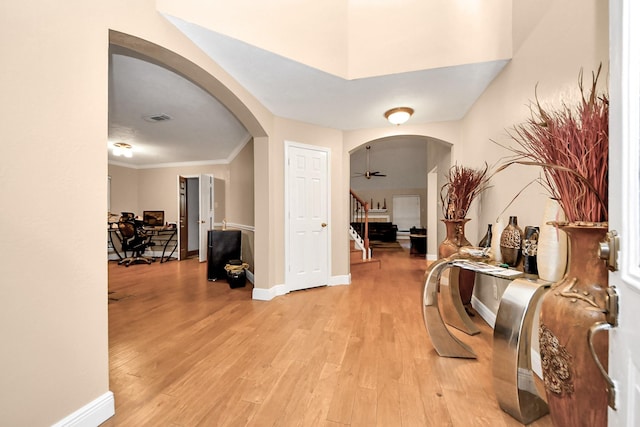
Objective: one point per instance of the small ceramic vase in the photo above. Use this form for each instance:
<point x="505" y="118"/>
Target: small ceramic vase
<point x="511" y="242"/>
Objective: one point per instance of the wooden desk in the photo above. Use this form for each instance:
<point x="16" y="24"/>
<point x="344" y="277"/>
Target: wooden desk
<point x="165" y="237"/>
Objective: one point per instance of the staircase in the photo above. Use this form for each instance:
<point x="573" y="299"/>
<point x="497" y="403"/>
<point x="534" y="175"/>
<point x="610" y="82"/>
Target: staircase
<point x="360" y="251"/>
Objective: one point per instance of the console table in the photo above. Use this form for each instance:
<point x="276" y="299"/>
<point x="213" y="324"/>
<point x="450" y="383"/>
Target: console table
<point x="514" y="379"/>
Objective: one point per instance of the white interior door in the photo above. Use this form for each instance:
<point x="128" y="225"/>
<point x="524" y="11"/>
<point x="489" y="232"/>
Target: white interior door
<point x="624" y="207"/>
<point x="206" y="213"/>
<point x="406" y="212"/>
<point x="307" y="199"/>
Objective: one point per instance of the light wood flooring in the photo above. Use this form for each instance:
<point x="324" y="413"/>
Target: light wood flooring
<point x="188" y="352"/>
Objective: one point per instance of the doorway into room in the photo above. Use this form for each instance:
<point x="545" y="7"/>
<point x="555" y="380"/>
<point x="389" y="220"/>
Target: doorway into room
<point x="196" y="213"/>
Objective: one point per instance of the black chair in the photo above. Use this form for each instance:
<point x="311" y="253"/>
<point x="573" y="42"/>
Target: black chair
<point x="134" y="241"/>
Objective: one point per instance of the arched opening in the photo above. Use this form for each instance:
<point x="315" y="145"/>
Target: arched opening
<point x="412" y="165"/>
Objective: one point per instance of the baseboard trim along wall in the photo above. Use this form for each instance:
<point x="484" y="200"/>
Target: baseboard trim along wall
<point x="262" y="294"/>
<point x="92" y="414"/>
<point x="340" y="280"/>
<point x="278" y="290"/>
<point x="484" y="311"/>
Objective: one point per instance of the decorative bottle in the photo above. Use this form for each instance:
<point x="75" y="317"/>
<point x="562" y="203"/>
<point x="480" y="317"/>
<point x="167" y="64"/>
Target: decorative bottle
<point x="511" y="242"/>
<point x="485" y="242"/>
<point x="530" y="250"/>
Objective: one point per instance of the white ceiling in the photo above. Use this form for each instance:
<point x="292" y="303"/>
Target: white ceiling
<point x="201" y="130"/>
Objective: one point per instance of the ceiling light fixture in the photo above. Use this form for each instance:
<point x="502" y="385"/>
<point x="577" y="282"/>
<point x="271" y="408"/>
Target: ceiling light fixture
<point x="122" y="149"/>
<point x="398" y="116"/>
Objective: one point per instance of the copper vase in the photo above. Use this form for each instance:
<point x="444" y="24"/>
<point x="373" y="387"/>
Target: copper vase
<point x="454" y="240"/>
<point x="576" y="391"/>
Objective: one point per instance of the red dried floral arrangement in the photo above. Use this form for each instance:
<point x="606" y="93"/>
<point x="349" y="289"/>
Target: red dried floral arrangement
<point x="463" y="185"/>
<point x="571" y="145"/>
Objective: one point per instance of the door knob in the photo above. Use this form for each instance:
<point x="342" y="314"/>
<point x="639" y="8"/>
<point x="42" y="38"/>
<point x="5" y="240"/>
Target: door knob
<point x="324" y="224"/>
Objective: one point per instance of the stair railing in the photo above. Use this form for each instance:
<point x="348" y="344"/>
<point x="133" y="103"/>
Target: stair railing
<point x="360" y="223"/>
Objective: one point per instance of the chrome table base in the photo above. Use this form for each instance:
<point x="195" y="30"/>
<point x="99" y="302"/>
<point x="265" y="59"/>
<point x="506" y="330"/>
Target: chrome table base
<point x="514" y="379"/>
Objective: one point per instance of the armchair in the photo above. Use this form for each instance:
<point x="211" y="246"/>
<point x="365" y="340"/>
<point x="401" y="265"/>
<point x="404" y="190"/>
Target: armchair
<point x="134" y="241"/>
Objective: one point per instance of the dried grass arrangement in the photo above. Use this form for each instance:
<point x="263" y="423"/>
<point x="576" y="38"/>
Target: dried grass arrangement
<point x="571" y="145"/>
<point x="463" y="185"/>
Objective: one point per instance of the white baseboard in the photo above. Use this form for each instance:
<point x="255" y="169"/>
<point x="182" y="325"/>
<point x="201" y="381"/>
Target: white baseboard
<point x="262" y="294"/>
<point x="483" y="311"/>
<point x="278" y="290"/>
<point x="250" y="277"/>
<point x="432" y="257"/>
<point x="340" y="280"/>
<point x="92" y="414"/>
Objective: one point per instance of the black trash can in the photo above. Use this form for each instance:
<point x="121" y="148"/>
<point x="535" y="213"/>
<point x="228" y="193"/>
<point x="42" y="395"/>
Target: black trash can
<point x="236" y="274"/>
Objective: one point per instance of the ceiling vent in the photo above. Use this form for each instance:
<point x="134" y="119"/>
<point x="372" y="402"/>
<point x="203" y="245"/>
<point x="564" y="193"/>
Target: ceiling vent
<point x="157" y="118"/>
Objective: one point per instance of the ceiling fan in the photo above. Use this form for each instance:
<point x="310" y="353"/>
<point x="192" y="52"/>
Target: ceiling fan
<point x="368" y="174"/>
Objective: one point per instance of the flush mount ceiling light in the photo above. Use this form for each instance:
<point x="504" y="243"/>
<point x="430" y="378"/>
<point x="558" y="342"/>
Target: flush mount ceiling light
<point x="398" y="116"/>
<point x="122" y="149"/>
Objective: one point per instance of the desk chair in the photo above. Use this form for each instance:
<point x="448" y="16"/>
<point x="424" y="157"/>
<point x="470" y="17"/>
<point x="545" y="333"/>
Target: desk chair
<point x="134" y="240"/>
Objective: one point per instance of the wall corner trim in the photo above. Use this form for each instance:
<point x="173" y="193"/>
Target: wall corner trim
<point x="92" y="414"/>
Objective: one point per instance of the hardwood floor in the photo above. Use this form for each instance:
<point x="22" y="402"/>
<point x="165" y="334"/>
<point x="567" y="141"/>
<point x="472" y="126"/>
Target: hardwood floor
<point x="188" y="352"/>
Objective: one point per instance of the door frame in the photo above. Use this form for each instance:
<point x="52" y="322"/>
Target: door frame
<point x="624" y="190"/>
<point x="200" y="234"/>
<point x="289" y="285"/>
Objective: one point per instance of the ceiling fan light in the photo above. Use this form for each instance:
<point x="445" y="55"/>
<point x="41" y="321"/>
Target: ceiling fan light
<point x="399" y="115"/>
<point x="122" y="149"/>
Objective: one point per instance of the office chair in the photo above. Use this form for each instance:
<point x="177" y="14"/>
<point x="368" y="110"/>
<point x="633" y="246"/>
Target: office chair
<point x="134" y="240"/>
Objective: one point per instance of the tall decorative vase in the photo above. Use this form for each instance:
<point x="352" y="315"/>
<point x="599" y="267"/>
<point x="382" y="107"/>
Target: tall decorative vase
<point x="576" y="391"/>
<point x="455" y="237"/>
<point x="450" y="245"/>
<point x="511" y="242"/>
<point x="498" y="227"/>
<point x="552" y="244"/>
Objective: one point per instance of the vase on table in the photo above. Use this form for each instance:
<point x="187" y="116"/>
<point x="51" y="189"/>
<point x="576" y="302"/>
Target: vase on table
<point x="496" y="232"/>
<point x="485" y="242"/>
<point x="552" y="244"/>
<point x="454" y="240"/>
<point x="530" y="250"/>
<point x="511" y="242"/>
<point x="576" y="391"/>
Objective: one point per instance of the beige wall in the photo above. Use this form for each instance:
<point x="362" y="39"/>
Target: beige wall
<point x="356" y="39"/>
<point x="124" y="190"/>
<point x="54" y="359"/>
<point x="240" y="194"/>
<point x="53" y="169"/>
<point x="155" y="189"/>
<point x="292" y="131"/>
<point x="552" y="47"/>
